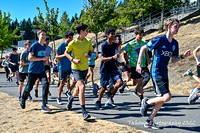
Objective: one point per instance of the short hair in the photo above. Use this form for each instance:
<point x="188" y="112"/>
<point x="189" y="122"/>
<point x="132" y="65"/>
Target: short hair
<point x="47" y="38"/>
<point x="80" y="27"/>
<point x="139" y="30"/>
<point x="69" y="33"/>
<point x="109" y="30"/>
<point x="169" y="22"/>
<point x="117" y="36"/>
<point x="14" y="49"/>
<point x="27" y="42"/>
<point x="41" y="30"/>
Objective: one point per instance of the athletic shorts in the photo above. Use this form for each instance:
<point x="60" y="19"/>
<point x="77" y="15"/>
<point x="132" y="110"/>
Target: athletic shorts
<point x="22" y="76"/>
<point x="79" y="75"/>
<point x="105" y="77"/>
<point x="125" y="68"/>
<point x="161" y="86"/>
<point x="47" y="68"/>
<point x="14" y="68"/>
<point x="134" y="73"/>
<point x="63" y="75"/>
<point x="92" y="66"/>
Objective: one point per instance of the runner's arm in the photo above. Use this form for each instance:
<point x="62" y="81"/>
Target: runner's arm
<point x="32" y="58"/>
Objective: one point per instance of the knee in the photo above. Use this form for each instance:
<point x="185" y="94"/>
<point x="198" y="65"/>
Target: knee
<point x="167" y="98"/>
<point x="120" y="82"/>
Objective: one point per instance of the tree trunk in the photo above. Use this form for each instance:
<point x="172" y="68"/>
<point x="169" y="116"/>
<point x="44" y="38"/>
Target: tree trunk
<point x="1" y="53"/>
<point x="97" y="44"/>
<point x="162" y="14"/>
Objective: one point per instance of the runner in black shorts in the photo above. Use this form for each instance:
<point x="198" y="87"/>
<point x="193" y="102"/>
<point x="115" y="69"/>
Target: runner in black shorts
<point x="23" y="71"/>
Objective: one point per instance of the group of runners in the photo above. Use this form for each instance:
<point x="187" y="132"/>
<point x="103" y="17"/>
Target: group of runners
<point x="76" y="56"/>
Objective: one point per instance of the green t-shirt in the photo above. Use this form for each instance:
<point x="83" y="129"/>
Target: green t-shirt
<point x="133" y="49"/>
<point x="79" y="48"/>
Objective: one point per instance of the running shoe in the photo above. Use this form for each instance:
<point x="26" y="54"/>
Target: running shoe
<point x="69" y="104"/>
<point x="20" y="97"/>
<point x="23" y="103"/>
<point x="17" y="83"/>
<point x="110" y="97"/>
<point x="188" y="73"/>
<point x="151" y="124"/>
<point x="45" y="109"/>
<point x="36" y="93"/>
<point x="193" y="96"/>
<point x="86" y="115"/>
<point x="121" y="90"/>
<point x="108" y="105"/>
<point x="95" y="89"/>
<point x="29" y="97"/>
<point x="98" y="105"/>
<point x="144" y="107"/>
<point x="59" y="101"/>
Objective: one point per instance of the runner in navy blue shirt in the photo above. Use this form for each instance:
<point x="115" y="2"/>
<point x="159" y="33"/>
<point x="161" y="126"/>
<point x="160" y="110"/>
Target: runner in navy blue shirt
<point x="36" y="70"/>
<point x="165" y="47"/>
<point x="108" y="68"/>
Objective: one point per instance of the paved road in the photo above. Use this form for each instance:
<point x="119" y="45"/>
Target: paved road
<point x="175" y="117"/>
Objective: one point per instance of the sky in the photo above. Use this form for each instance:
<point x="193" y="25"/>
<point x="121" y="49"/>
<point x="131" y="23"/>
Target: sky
<point x="23" y="9"/>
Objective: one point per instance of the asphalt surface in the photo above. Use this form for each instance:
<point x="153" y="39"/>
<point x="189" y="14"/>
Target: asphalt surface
<point x="176" y="116"/>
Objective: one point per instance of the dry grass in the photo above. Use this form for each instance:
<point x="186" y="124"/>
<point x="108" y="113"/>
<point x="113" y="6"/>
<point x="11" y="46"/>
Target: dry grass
<point x="31" y="120"/>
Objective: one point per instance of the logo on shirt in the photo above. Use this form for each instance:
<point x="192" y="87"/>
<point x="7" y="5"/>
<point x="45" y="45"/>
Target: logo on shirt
<point x="166" y="53"/>
<point x="41" y="53"/>
<point x="163" y="46"/>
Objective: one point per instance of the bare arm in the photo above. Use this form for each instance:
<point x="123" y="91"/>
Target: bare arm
<point x="195" y="54"/>
<point x="176" y="59"/>
<point x="76" y="61"/>
<point x="22" y="63"/>
<point x="32" y="58"/>
<point x="58" y="56"/>
<point x="142" y="50"/>
<point x="105" y="59"/>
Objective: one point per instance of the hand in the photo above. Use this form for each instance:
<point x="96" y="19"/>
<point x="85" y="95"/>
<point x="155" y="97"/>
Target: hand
<point x="187" y="53"/>
<point x="86" y="55"/>
<point x="14" y="64"/>
<point x="76" y="61"/>
<point x="198" y="63"/>
<point x="139" y="68"/>
<point x="46" y="62"/>
<point x="116" y="56"/>
<point x="45" y="58"/>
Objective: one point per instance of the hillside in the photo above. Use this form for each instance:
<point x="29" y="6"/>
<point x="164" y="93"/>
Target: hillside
<point x="188" y="38"/>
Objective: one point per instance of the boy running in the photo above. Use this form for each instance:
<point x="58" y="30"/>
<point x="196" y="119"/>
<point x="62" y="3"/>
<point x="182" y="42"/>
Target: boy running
<point x="108" y="68"/>
<point x="81" y="48"/>
<point x="36" y="70"/>
<point x="165" y="47"/>
<point x="64" y="66"/>
<point x="14" y="65"/>
<point x="194" y="93"/>
<point x="23" y="70"/>
<point x="46" y="67"/>
<point x="132" y="50"/>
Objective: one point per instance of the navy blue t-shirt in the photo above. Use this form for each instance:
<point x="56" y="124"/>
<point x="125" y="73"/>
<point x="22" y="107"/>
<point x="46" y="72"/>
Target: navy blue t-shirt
<point x="64" y="63"/>
<point x="39" y="51"/>
<point x="14" y="59"/>
<point x="108" y="50"/>
<point x="163" y="50"/>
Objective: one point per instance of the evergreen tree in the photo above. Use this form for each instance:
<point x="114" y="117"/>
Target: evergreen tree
<point x="7" y="36"/>
<point x="64" y="24"/>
